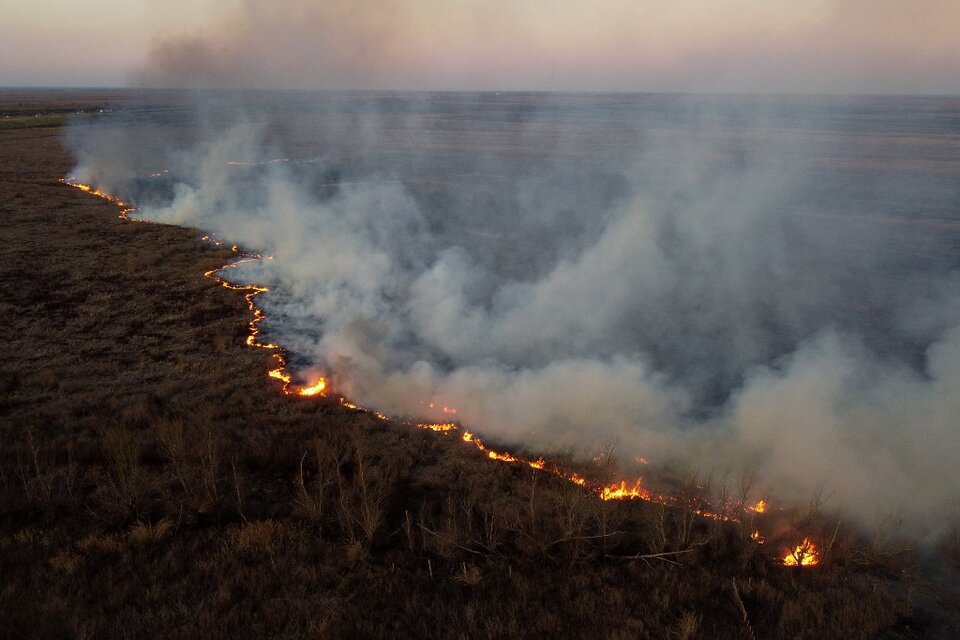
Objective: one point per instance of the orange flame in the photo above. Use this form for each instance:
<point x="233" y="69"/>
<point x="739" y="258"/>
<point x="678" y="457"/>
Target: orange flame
<point x="804" y="555"/>
<point x="620" y="491"/>
<point x="279" y="374"/>
<point x="502" y="457"/>
<point x="756" y="537"/>
<point x="759" y="507"/>
<point x="438" y="427"/>
<point x="576" y="478"/>
<point x="317" y="388"/>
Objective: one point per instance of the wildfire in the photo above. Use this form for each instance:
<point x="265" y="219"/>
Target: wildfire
<point x="250" y="292"/>
<point x="314" y="389"/>
<point x="279" y="374"/>
<point x="804" y="555"/>
<point x="620" y="491"/>
<point x="438" y="427"/>
<point x="502" y="457"/>
<point x="86" y="188"/>
<point x="756" y="537"/>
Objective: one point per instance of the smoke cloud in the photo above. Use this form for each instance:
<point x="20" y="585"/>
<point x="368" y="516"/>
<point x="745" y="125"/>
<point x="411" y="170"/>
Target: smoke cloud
<point x="823" y="46"/>
<point x="734" y="283"/>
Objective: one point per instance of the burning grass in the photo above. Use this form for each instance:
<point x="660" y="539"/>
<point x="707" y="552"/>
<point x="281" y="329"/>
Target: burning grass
<point x="141" y="439"/>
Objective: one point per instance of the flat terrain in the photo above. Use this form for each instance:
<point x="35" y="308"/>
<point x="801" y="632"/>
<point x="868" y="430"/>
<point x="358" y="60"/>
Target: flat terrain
<point x="153" y="482"/>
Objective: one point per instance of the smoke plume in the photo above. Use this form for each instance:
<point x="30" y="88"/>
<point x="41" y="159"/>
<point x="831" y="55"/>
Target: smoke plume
<point x="729" y="283"/>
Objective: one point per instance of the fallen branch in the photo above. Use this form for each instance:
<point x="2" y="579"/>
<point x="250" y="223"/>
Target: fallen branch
<point x="594" y="537"/>
<point x="646" y="557"/>
<point x="450" y="542"/>
<point x="743" y="609"/>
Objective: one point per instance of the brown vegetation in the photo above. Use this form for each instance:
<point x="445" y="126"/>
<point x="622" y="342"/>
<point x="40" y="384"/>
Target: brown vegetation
<point x="153" y="482"/>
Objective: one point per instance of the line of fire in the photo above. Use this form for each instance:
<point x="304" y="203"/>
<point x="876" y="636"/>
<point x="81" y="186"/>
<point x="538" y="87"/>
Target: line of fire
<point x="804" y="554"/>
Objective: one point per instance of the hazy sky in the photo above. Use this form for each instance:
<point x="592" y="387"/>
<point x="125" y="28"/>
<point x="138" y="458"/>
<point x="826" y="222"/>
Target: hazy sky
<point x="836" y="46"/>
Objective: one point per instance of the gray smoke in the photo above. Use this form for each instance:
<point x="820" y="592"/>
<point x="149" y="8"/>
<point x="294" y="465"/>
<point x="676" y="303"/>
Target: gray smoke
<point x="735" y="283"/>
<point x="828" y="46"/>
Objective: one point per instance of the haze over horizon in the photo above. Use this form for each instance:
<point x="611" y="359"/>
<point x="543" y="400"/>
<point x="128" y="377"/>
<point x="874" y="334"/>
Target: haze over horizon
<point x="750" y="46"/>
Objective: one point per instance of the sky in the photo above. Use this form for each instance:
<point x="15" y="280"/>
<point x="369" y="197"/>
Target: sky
<point x="767" y="46"/>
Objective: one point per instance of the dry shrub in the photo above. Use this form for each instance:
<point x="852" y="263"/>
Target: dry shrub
<point x="144" y="534"/>
<point x="122" y="450"/>
<point x="469" y="575"/>
<point x="194" y="455"/>
<point x="688" y="626"/>
<point x="363" y="494"/>
<point x="46" y="378"/>
<point x="36" y="475"/>
<point x="136" y="413"/>
<point x="313" y="482"/>
<point x="32" y="537"/>
<point x="99" y="544"/>
<point x="261" y="536"/>
<point x="65" y="562"/>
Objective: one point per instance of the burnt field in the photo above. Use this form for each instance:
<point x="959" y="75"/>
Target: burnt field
<point x="153" y="481"/>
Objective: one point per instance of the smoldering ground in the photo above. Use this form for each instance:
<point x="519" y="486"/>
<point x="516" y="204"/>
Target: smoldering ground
<point x="727" y="283"/>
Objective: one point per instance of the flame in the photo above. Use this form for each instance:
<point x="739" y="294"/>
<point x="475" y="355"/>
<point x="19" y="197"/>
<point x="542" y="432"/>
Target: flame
<point x="439" y="427"/>
<point x="620" y="491"/>
<point x="502" y="457"/>
<point x="804" y="555"/>
<point x="756" y="537"/>
<point x="314" y="389"/>
<point x="759" y="507"/>
<point x="279" y="374"/>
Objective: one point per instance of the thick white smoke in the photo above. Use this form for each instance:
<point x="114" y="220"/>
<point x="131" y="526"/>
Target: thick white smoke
<point x="715" y="291"/>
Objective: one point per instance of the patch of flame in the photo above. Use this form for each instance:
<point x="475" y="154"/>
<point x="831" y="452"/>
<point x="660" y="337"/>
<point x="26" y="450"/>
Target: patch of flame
<point x="759" y="507"/>
<point x="620" y="491"/>
<point x="804" y="555"/>
<point x="756" y="537"/>
<point x="442" y="426"/>
<point x="502" y="457"/>
<point x="315" y="389"/>
<point x="279" y="374"/>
